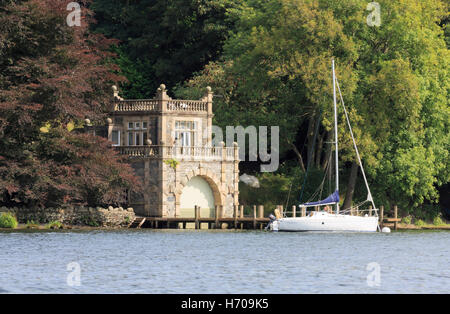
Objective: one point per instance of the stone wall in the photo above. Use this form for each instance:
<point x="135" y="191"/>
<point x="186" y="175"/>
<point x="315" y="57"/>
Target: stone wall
<point x="163" y="185"/>
<point x="84" y="216"/>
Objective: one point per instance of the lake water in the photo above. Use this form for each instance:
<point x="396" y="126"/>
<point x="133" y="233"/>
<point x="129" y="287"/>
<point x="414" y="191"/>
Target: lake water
<point x="148" y="261"/>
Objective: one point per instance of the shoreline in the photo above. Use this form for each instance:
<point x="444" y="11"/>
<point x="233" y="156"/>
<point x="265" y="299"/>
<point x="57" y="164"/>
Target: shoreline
<point x="425" y="227"/>
<point x="44" y="227"/>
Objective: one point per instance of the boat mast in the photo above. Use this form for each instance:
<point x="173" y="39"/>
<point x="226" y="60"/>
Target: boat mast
<point x="336" y="133"/>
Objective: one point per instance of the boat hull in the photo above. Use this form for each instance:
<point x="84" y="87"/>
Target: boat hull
<point x="327" y="223"/>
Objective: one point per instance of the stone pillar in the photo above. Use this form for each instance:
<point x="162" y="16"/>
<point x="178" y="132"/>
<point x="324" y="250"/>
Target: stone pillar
<point x="163" y="99"/>
<point x="146" y="187"/>
<point x="209" y="99"/>
<point x="110" y="123"/>
<point x="162" y="186"/>
<point x="236" y="173"/>
<point x="223" y="177"/>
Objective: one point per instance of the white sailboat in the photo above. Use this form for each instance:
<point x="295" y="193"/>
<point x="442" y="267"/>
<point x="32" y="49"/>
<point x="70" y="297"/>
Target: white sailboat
<point x="343" y="221"/>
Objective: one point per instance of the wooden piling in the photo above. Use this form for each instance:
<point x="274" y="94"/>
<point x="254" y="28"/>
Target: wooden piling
<point x="370" y="211"/>
<point x="254" y="216"/>
<point x="241" y="213"/>
<point x="197" y="217"/>
<point x="303" y="211"/>
<point x="261" y="215"/>
<point x="235" y="215"/>
<point x="294" y="209"/>
<point x="381" y="216"/>
<point x="395" y="216"/>
<point x="217" y="216"/>
<point x="256" y="219"/>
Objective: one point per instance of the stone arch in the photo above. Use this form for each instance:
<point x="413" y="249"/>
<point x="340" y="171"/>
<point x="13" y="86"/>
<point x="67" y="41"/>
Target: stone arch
<point x="209" y="177"/>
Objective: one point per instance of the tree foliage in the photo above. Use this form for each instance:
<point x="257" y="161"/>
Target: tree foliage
<point x="163" y="41"/>
<point x="394" y="79"/>
<point x="51" y="75"/>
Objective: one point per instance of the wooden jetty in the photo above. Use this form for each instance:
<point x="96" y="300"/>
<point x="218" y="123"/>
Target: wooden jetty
<point x="391" y="221"/>
<point x="255" y="220"/>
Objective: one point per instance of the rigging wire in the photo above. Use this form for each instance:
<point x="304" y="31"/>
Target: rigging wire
<point x="289" y="194"/>
<point x="320" y="188"/>
<point x="369" y="196"/>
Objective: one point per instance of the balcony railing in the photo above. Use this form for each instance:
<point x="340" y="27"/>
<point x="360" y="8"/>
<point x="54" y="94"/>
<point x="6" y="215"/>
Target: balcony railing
<point x="187" y="105"/>
<point x="159" y="105"/>
<point x="136" y="105"/>
<point x="181" y="152"/>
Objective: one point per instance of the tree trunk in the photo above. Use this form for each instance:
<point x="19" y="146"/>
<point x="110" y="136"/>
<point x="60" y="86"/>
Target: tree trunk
<point x="299" y="156"/>
<point x="319" y="149"/>
<point x="328" y="150"/>
<point x="351" y="186"/>
<point x="310" y="137"/>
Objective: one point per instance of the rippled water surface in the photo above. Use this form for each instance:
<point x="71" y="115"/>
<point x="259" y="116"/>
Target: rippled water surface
<point x="146" y="261"/>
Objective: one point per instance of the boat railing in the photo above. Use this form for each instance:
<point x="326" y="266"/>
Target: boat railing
<point x="313" y="209"/>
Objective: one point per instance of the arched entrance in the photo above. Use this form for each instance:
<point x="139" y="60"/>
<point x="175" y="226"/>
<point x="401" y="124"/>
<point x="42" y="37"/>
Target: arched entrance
<point x="197" y="192"/>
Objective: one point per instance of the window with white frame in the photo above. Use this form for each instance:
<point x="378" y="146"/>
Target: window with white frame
<point x="115" y="137"/>
<point x="185" y="133"/>
<point x="137" y="133"/>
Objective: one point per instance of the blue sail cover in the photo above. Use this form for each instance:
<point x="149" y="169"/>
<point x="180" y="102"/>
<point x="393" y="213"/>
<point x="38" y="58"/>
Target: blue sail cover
<point x="333" y="198"/>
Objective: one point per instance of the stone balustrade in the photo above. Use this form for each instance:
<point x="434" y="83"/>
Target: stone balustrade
<point x="153" y="105"/>
<point x="217" y="153"/>
<point x="140" y="105"/>
<point x="187" y="105"/>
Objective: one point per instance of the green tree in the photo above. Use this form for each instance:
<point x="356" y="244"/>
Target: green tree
<point x="394" y="80"/>
<point x="50" y="76"/>
<point x="163" y="41"/>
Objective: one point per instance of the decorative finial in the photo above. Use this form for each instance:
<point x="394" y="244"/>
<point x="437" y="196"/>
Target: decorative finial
<point x="109" y="121"/>
<point x="116" y="92"/>
<point x="163" y="87"/>
<point x="149" y="142"/>
<point x="209" y="89"/>
<point x="87" y="121"/>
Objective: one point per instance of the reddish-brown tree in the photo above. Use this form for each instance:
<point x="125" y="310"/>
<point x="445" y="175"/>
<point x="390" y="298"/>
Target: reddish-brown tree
<point x="51" y="74"/>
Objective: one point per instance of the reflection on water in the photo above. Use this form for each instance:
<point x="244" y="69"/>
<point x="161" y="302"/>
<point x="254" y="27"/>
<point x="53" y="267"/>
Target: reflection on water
<point x="146" y="261"/>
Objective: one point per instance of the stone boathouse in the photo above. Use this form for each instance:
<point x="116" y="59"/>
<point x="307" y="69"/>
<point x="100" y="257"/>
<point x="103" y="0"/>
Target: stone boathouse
<point x="168" y="142"/>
